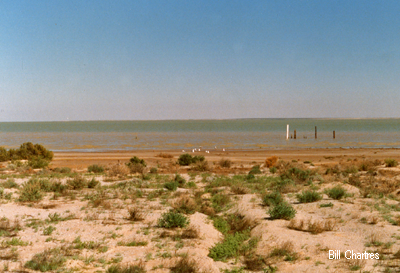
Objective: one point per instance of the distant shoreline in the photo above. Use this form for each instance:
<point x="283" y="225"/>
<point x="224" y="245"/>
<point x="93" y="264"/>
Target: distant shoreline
<point x="317" y="156"/>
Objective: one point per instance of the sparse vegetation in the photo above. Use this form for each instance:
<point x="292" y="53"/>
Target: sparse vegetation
<point x="119" y="210"/>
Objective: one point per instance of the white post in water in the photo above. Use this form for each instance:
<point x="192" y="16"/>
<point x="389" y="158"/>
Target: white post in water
<point x="287" y="131"/>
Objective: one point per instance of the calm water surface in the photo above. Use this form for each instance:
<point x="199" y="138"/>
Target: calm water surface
<point x="186" y="134"/>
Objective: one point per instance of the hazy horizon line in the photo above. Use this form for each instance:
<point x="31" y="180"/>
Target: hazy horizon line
<point x="200" y="119"/>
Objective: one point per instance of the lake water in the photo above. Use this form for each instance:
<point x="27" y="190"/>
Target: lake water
<point x="187" y="134"/>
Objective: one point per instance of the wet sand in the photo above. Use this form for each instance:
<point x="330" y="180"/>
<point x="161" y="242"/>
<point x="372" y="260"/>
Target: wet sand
<point x="317" y="156"/>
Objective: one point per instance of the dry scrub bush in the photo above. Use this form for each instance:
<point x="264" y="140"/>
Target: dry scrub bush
<point x="271" y="161"/>
<point x="225" y="163"/>
<point x="185" y="265"/>
<point x="191" y="233"/>
<point x="135" y="214"/>
<point x="8" y="254"/>
<point x="6" y="226"/>
<point x="201" y="166"/>
<point x="239" y="189"/>
<point x="239" y="222"/>
<point x="285" y="249"/>
<point x="315" y="227"/>
<point x="185" y="204"/>
<point x="138" y="267"/>
<point x="254" y="263"/>
<point x="136" y="168"/>
<point x="355" y="264"/>
<point x="118" y="170"/>
<point x="164" y="155"/>
<point x="371" y="186"/>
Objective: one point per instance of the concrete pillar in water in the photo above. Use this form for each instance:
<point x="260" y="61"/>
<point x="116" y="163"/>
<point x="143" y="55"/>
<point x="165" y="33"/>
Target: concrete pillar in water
<point x="315" y="132"/>
<point x="287" y="131"/>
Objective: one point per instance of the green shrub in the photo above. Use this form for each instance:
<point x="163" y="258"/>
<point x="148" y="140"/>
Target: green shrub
<point x="272" y="199"/>
<point x="282" y="211"/>
<point x="136" y="165"/>
<point x="198" y="158"/>
<point x="308" y="196"/>
<point x="92" y="183"/>
<point x="255" y="170"/>
<point x="229" y="248"/>
<point x="180" y="180"/>
<point x="48" y="260"/>
<point x="173" y="219"/>
<point x="28" y="150"/>
<point x="31" y="191"/>
<point x="220" y="201"/>
<point x="126" y="269"/>
<point x="250" y="177"/>
<point x="38" y="162"/>
<point x="10" y="183"/>
<point x="273" y="170"/>
<point x="327" y="205"/>
<point x="297" y="174"/>
<point x="221" y="224"/>
<point x="77" y="183"/>
<point x="391" y="162"/>
<point x="58" y="187"/>
<point x="171" y="186"/>
<point x="3" y="154"/>
<point x="336" y="193"/>
<point x="153" y="170"/>
<point x="62" y="170"/>
<point x="95" y="168"/>
<point x="48" y="231"/>
<point x="136" y="160"/>
<point x="185" y="160"/>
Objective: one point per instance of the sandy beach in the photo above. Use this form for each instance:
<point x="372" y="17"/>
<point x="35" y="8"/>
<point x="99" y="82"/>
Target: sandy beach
<point x="317" y="156"/>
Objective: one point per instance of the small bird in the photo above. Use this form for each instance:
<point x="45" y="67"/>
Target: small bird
<point x="223" y="150"/>
<point x="183" y="151"/>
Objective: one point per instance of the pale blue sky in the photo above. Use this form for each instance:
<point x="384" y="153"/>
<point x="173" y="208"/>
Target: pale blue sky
<point x="90" y="60"/>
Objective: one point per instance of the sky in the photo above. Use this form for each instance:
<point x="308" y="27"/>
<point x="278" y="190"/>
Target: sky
<point x="160" y="59"/>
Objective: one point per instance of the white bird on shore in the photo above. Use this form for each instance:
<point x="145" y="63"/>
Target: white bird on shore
<point x="192" y="150"/>
<point x="183" y="151"/>
<point x="207" y="152"/>
<point x="223" y="150"/>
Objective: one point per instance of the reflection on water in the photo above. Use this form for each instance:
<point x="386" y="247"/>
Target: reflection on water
<point x="102" y="141"/>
